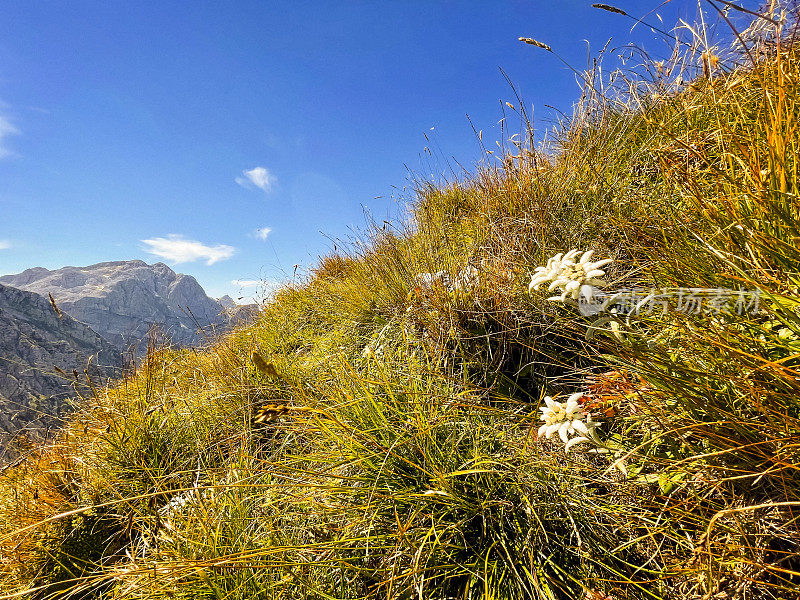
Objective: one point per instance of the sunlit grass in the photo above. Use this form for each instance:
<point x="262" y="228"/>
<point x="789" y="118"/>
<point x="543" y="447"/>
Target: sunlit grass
<point x="374" y="433"/>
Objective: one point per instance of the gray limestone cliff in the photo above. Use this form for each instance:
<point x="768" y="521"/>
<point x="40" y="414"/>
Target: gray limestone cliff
<point x="237" y="315"/>
<point x="39" y="350"/>
<point x="122" y="300"/>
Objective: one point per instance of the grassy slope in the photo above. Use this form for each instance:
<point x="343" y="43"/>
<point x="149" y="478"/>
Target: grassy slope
<point x="371" y="436"/>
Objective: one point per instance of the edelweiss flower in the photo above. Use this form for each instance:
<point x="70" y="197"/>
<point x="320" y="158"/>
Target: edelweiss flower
<point x="427" y="281"/>
<point x="567" y="418"/>
<point x="573" y="278"/>
<point x="372" y="352"/>
<point x="467" y="279"/>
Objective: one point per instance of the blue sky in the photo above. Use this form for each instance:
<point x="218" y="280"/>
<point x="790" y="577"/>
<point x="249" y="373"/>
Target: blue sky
<point x="233" y="140"/>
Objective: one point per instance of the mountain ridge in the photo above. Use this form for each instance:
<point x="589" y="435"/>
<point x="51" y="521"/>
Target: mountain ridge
<point x="123" y="300"/>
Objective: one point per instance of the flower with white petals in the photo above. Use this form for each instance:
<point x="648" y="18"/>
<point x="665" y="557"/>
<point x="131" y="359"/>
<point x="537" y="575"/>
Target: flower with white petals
<point x="567" y="418"/>
<point x="574" y="276"/>
<point x="467" y="279"/>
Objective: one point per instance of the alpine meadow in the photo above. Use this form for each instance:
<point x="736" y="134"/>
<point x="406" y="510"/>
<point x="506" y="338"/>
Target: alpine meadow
<point x="572" y="373"/>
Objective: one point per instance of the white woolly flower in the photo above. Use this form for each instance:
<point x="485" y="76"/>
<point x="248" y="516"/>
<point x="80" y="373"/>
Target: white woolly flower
<point x="567" y="418"/>
<point x="572" y="275"/>
<point x="176" y="504"/>
<point x="372" y="351"/>
<point x="467" y="279"/>
<point x="428" y="281"/>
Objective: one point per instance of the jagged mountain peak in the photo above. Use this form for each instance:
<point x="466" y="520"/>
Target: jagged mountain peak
<point x="227" y="302"/>
<point x="122" y="300"/>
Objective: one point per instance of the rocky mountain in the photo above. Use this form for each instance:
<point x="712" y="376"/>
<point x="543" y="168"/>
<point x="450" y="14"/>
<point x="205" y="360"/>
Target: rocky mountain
<point x="227" y="302"/>
<point x="122" y="300"/>
<point x="236" y="314"/>
<point x="40" y="350"/>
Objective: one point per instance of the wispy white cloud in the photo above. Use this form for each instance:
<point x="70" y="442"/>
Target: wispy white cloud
<point x="5" y="244"/>
<point x="259" y="177"/>
<point x="6" y="130"/>
<point x="177" y="249"/>
<point x="245" y="283"/>
<point x="262" y="232"/>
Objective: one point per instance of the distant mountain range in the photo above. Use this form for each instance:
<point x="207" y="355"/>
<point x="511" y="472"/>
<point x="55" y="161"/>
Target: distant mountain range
<point x="52" y="322"/>
<point x="122" y="300"/>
